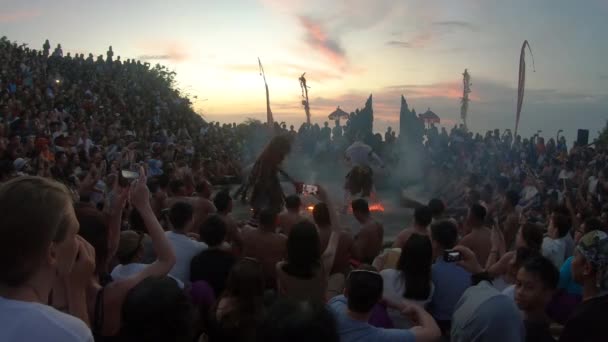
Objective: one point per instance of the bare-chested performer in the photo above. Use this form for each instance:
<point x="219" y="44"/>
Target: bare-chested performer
<point x="359" y="181"/>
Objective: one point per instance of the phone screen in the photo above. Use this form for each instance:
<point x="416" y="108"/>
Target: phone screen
<point x="126" y="177"/>
<point x="310" y="189"/>
<point x="451" y="256"/>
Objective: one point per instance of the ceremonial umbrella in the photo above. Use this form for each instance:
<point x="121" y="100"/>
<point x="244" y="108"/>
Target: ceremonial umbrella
<point x="430" y="117"/>
<point x="338" y="114"/>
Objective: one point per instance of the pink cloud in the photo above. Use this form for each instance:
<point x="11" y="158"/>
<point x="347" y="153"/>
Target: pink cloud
<point x="17" y="16"/>
<point x="319" y="40"/>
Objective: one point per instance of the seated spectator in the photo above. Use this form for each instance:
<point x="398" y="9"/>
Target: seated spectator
<point x="38" y="243"/>
<point x="320" y="214"/>
<point x="412" y="278"/>
<point x="422" y="218"/>
<point x="536" y="284"/>
<point x="223" y="204"/>
<point x="482" y="313"/>
<point x="368" y="242"/>
<point x="214" y="263"/>
<point x="478" y="240"/>
<point x="590" y="269"/>
<point x="566" y="281"/>
<point x="185" y="248"/>
<point x="450" y="280"/>
<point x="157" y="310"/>
<point x="241" y="307"/>
<point x="353" y="309"/>
<point x="265" y="245"/>
<point x="298" y="321"/>
<point x="554" y="244"/>
<point x="287" y="219"/>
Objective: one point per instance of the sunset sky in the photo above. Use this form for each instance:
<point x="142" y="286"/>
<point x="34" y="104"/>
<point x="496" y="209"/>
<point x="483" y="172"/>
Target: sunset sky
<point x="350" y="49"/>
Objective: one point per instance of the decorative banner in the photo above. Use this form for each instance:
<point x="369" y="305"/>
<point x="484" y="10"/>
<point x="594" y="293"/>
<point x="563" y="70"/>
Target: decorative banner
<point x="522" y="82"/>
<point x="269" y="118"/>
<point x="305" y="102"/>
<point x="464" y="101"/>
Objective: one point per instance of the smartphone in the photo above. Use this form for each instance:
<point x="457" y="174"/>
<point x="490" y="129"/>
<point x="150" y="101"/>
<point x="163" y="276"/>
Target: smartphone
<point x="309" y="189"/>
<point x="451" y="256"/>
<point x="127" y="177"/>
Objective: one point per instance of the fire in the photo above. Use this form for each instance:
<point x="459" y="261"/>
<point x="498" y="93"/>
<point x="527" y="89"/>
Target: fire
<point x="377" y="207"/>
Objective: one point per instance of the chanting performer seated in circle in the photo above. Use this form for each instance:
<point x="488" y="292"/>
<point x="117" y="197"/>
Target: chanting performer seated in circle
<point x="359" y="181"/>
<point x="266" y="191"/>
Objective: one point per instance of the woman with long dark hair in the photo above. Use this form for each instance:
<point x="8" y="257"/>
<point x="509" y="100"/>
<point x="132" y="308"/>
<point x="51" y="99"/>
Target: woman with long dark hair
<point x="305" y="273"/>
<point x="241" y="306"/>
<point x="412" y="278"/>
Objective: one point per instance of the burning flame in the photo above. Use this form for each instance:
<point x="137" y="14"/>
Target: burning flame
<point x="378" y="207"/>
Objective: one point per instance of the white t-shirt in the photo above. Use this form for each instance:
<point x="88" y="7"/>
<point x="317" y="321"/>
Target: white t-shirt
<point x="394" y="288"/>
<point x="185" y="249"/>
<point x="554" y="250"/>
<point x="27" y="321"/>
<point x="126" y="271"/>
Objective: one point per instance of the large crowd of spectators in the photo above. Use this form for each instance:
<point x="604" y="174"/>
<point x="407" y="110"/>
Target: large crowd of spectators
<point x="112" y="230"/>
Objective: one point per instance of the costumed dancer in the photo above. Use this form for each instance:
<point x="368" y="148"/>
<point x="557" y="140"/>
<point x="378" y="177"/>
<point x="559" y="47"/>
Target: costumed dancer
<point x="266" y="191"/>
<point x="360" y="157"/>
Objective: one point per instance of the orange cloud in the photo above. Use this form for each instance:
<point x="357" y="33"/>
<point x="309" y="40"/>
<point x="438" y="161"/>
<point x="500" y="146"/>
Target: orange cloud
<point x="16" y="16"/>
<point x="287" y="70"/>
<point x="319" y="40"/>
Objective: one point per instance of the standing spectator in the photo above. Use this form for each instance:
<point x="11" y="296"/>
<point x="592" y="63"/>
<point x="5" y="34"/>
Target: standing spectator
<point x="38" y="242"/>
<point x="296" y="321"/>
<point x="422" y="218"/>
<point x="321" y="216"/>
<point x="566" y="281"/>
<point x="287" y="219"/>
<point x="478" y="240"/>
<point x="412" y="278"/>
<point x="265" y="245"/>
<point x="157" y="310"/>
<point x="590" y="269"/>
<point x="241" y="306"/>
<point x="353" y="309"/>
<point x="449" y="279"/>
<point x="483" y="313"/>
<point x="554" y="245"/>
<point x="368" y="242"/>
<point x="214" y="263"/>
<point x="223" y="204"/>
<point x="185" y="248"/>
<point x="536" y="284"/>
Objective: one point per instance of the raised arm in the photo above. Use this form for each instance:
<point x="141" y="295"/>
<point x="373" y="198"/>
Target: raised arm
<point x="140" y="199"/>
<point x="120" y="196"/>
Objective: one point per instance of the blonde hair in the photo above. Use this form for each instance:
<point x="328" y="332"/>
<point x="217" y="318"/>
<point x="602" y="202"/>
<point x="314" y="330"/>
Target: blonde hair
<point x="33" y="212"/>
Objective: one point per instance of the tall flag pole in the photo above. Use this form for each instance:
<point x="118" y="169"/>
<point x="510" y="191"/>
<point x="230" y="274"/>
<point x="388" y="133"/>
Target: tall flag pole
<point x="522" y="82"/>
<point x="269" y="118"/>
<point x="305" y="102"/>
<point x="464" y="101"/>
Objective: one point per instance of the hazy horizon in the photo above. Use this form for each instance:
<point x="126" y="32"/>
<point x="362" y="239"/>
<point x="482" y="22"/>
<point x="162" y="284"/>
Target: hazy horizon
<point x="350" y="49"/>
